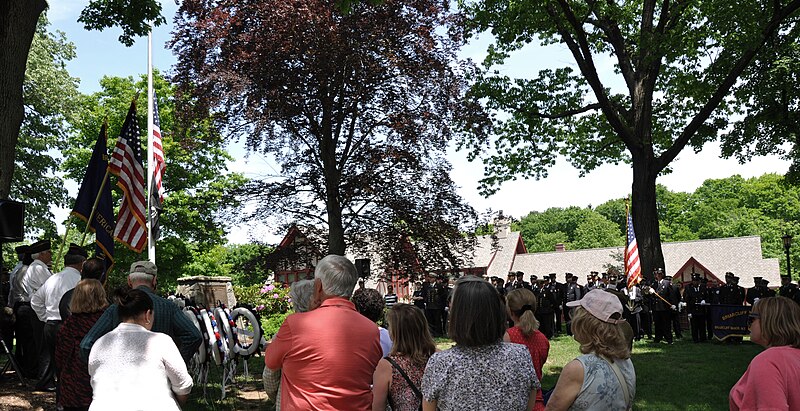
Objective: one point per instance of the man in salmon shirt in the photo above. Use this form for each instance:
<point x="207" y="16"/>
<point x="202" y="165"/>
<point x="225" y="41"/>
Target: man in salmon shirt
<point x="328" y="354"/>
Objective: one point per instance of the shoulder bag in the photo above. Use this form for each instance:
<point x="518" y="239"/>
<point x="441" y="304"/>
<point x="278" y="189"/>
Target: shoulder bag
<point x="414" y="388"/>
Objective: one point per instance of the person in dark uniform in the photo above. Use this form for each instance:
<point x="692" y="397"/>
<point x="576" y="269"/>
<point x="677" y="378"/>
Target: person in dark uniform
<point x="662" y="308"/>
<point x="535" y="285"/>
<point x="632" y="310"/>
<point x="755" y="292"/>
<point x="545" y="311"/>
<point x="500" y="285"/>
<point x="561" y="293"/>
<point x="675" y="315"/>
<point x="766" y="290"/>
<point x="591" y="281"/>
<point x="787" y="289"/>
<point x="570" y="292"/>
<point x="444" y="300"/>
<point x="695" y="297"/>
<point x="738" y="292"/>
<point x="419" y="300"/>
<point x="431" y="292"/>
<point x="732" y="294"/>
<point x="512" y="277"/>
<point x="519" y="281"/>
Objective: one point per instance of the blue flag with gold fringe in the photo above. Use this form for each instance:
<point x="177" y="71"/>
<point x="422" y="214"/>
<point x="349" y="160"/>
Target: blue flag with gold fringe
<point x="96" y="188"/>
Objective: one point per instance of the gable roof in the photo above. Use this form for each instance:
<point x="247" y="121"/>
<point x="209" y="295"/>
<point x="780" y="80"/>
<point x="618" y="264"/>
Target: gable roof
<point x="498" y="253"/>
<point x="740" y="255"/>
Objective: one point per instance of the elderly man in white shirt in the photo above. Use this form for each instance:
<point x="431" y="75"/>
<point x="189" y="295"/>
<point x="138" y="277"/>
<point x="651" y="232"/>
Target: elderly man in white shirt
<point x="45" y="303"/>
<point x="28" y="327"/>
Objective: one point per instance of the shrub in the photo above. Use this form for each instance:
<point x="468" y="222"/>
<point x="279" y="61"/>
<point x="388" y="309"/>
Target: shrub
<point x="268" y="299"/>
<point x="271" y="324"/>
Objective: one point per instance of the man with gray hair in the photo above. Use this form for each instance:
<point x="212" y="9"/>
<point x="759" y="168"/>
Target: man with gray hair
<point x="327" y="355"/>
<point x="45" y="304"/>
<point x="29" y="327"/>
<point x="167" y="317"/>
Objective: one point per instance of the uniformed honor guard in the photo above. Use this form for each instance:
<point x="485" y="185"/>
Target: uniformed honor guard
<point x="694" y="295"/>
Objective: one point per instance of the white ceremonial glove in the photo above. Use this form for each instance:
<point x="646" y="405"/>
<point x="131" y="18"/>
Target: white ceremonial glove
<point x="690" y="316"/>
<point x="755" y="300"/>
<point x="673" y="307"/>
<point x="702" y="301"/>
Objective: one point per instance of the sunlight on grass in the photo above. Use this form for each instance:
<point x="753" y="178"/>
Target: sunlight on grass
<point x="679" y="377"/>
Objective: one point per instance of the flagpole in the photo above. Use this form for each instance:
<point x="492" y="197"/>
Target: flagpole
<point x="94" y="207"/>
<point x="61" y="247"/>
<point x="151" y="246"/>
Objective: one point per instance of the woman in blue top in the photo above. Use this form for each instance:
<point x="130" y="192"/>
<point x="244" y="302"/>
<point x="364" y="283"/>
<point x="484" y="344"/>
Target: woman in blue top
<point x="603" y="377"/>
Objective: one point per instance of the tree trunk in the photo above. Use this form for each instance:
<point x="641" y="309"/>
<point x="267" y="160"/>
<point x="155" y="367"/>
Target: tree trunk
<point x="645" y="214"/>
<point x="331" y="174"/>
<point x="18" y="19"/>
<point x="336" y="243"/>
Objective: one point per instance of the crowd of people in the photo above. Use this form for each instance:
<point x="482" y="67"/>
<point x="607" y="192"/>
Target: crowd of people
<point x="95" y="348"/>
<point x="92" y="349"/>
<point x="339" y="331"/>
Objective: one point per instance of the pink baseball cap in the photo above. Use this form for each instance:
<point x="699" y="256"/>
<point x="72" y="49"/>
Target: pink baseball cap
<point x="601" y="304"/>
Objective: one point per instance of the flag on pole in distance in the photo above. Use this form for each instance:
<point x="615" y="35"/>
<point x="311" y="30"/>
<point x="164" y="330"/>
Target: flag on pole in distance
<point x="157" y="190"/>
<point x="96" y="188"/>
<point x="126" y="163"/>
<point x="633" y="269"/>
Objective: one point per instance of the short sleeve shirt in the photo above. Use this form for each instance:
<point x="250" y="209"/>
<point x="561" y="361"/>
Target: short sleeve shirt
<point x="466" y="378"/>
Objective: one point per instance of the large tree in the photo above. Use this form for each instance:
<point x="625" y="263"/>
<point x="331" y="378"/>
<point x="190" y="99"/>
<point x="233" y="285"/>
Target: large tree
<point x="674" y="66"/>
<point x="49" y="93"/>
<point x="18" y="20"/>
<point x="355" y="106"/>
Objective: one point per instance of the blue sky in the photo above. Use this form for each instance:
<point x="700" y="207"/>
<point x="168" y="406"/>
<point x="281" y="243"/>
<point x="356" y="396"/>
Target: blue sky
<point x="100" y="54"/>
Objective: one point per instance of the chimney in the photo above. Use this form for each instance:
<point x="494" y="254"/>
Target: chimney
<point x="502" y="227"/>
<point x="560" y="247"/>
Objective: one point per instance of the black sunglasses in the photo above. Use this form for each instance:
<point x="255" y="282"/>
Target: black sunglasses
<point x="752" y="317"/>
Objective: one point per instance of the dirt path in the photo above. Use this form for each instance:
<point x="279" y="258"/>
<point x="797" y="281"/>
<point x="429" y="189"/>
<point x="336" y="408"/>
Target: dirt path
<point x="14" y="396"/>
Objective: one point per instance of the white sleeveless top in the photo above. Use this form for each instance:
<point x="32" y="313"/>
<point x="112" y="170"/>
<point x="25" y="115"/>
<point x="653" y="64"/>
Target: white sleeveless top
<point x="601" y="390"/>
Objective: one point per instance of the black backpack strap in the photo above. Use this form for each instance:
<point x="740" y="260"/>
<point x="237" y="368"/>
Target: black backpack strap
<point x="408" y="380"/>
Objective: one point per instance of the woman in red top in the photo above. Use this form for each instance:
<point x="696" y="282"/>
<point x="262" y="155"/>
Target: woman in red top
<point x="521" y="305"/>
<point x="87" y="305"/>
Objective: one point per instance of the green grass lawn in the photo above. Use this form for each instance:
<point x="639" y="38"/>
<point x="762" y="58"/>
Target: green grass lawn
<point x="683" y="376"/>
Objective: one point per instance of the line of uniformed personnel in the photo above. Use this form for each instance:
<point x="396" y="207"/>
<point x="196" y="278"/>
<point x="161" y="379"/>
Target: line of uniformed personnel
<point x="655" y="304"/>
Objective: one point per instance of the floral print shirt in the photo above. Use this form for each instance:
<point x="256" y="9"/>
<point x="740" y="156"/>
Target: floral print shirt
<point x="497" y="376"/>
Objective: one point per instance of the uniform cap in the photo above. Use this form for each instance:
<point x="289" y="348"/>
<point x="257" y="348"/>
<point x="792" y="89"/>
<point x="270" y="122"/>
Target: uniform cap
<point x="75" y="249"/>
<point x="39" y="246"/>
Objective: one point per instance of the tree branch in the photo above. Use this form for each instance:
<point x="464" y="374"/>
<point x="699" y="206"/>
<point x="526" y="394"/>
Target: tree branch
<point x="724" y="87"/>
<point x="563" y="114"/>
<point x="583" y="56"/>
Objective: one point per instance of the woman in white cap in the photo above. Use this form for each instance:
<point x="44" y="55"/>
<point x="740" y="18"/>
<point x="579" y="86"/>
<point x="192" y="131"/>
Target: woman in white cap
<point x="603" y="377"/>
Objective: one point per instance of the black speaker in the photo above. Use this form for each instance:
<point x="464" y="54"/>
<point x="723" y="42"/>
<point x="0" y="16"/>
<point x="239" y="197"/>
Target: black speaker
<point x="12" y="221"/>
<point x="362" y="267"/>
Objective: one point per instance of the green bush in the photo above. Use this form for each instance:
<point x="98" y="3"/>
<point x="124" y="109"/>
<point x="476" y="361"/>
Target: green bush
<point x="271" y="324"/>
<point x="267" y="299"/>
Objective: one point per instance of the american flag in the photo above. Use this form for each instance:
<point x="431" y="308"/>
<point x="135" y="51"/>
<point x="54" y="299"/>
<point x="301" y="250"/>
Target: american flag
<point x="126" y="163"/>
<point x="158" y="152"/>
<point x="633" y="270"/>
<point x="157" y="189"/>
